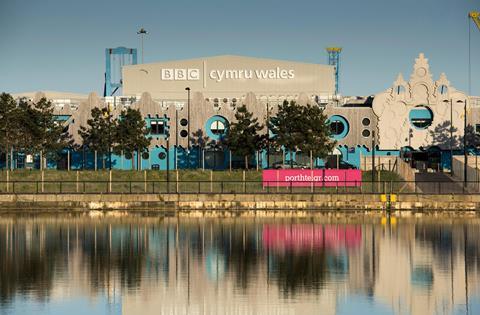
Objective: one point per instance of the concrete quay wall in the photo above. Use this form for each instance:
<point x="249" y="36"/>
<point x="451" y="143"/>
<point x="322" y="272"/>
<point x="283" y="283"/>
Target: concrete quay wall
<point x="235" y="202"/>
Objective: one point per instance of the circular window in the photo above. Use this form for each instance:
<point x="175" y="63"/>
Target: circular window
<point x="366" y="133"/>
<point x="145" y="155"/>
<point x="216" y="127"/>
<point x="421" y="117"/>
<point x="183" y="122"/>
<point x="366" y="121"/>
<point x="183" y="133"/>
<point x="128" y="155"/>
<point x="338" y="126"/>
<point x="162" y="155"/>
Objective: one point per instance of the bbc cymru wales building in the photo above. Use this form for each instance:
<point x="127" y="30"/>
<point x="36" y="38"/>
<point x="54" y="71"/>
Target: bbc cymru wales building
<point x="410" y="115"/>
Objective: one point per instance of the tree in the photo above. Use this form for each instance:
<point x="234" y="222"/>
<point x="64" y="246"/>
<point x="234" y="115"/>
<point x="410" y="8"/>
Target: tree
<point x="243" y="137"/>
<point x="304" y="128"/>
<point x="100" y="133"/>
<point x="472" y="138"/>
<point x="27" y="127"/>
<point x="49" y="136"/>
<point x="131" y="134"/>
<point x="8" y="124"/>
<point x="200" y="141"/>
<point x="316" y="132"/>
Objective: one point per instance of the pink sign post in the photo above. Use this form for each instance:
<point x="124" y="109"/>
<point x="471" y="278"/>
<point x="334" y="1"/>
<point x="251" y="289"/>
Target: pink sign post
<point x="318" y="177"/>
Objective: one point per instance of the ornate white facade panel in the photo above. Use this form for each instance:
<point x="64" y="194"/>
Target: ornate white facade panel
<point x="420" y="112"/>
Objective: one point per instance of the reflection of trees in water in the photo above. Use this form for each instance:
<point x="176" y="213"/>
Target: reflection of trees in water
<point x="446" y="239"/>
<point x="114" y="251"/>
<point x="30" y="256"/>
<point x="241" y="251"/>
<point x="297" y="271"/>
<point x="33" y="254"/>
<point x="437" y="237"/>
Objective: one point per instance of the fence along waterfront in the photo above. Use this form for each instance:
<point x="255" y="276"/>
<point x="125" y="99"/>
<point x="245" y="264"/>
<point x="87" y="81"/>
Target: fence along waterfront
<point x="233" y="187"/>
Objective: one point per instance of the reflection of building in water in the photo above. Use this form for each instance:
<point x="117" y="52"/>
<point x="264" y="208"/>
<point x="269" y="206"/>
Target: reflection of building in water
<point x="428" y="273"/>
<point x="237" y="266"/>
<point x="393" y="265"/>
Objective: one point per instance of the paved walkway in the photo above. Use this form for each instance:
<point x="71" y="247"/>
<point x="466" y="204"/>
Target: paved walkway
<point x="437" y="183"/>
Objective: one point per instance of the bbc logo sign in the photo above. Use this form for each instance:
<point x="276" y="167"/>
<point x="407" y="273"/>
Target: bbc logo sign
<point x="180" y="74"/>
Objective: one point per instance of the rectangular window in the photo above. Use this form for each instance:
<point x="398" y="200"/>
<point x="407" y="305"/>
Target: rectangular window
<point x="157" y="127"/>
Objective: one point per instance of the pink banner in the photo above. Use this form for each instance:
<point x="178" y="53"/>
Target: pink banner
<point x="304" y="178"/>
<point x="301" y="236"/>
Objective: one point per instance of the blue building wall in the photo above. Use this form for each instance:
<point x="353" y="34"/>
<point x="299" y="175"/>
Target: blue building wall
<point x="157" y="159"/>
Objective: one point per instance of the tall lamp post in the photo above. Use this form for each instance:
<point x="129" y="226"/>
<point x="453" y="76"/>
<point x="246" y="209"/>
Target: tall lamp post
<point x="373" y="159"/>
<point x="142" y="32"/>
<point x="108" y="114"/>
<point x="188" y="125"/>
<point x="268" y="137"/>
<point x="451" y="133"/>
<point x="168" y="163"/>
<point x="176" y="138"/>
<point x="465" y="155"/>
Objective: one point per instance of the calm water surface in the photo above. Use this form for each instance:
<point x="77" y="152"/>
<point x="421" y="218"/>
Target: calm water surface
<point x="151" y="265"/>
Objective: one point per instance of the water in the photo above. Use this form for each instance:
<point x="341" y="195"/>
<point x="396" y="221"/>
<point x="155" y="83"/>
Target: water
<point x="151" y="265"/>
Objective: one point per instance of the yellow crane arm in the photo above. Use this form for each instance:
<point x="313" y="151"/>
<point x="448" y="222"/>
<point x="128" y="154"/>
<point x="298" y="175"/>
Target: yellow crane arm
<point x="475" y="16"/>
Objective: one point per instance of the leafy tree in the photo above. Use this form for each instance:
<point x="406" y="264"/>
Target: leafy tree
<point x="100" y="134"/>
<point x="49" y="136"/>
<point x="472" y="138"/>
<point x="131" y="134"/>
<point x="200" y="141"/>
<point x="243" y="137"/>
<point x="8" y="124"/>
<point x="27" y="127"/>
<point x="304" y="128"/>
<point x="316" y="132"/>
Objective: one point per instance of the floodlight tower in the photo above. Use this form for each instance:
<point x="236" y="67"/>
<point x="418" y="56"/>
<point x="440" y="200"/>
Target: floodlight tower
<point x="142" y="32"/>
<point x="334" y="60"/>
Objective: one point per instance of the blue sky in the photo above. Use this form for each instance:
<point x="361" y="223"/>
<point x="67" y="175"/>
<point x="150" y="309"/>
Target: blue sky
<point x="59" y="44"/>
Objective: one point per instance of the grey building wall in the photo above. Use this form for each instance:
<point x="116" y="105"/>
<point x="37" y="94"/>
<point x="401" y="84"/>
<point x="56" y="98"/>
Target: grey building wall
<point x="229" y="77"/>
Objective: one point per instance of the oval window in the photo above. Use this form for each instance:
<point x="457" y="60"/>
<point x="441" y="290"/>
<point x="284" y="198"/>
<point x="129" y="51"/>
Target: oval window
<point x="366" y="133"/>
<point x="183" y="122"/>
<point x="366" y="121"/>
<point x="421" y="117"/>
<point x="183" y="133"/>
<point x="339" y="127"/>
<point x="216" y="127"/>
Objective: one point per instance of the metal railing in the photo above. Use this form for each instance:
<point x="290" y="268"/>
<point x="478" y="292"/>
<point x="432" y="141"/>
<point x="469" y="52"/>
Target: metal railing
<point x="235" y="187"/>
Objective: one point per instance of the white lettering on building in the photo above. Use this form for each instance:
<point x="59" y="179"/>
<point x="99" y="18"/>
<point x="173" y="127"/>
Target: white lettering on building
<point x="180" y="74"/>
<point x="228" y="74"/>
<point x="264" y="74"/>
